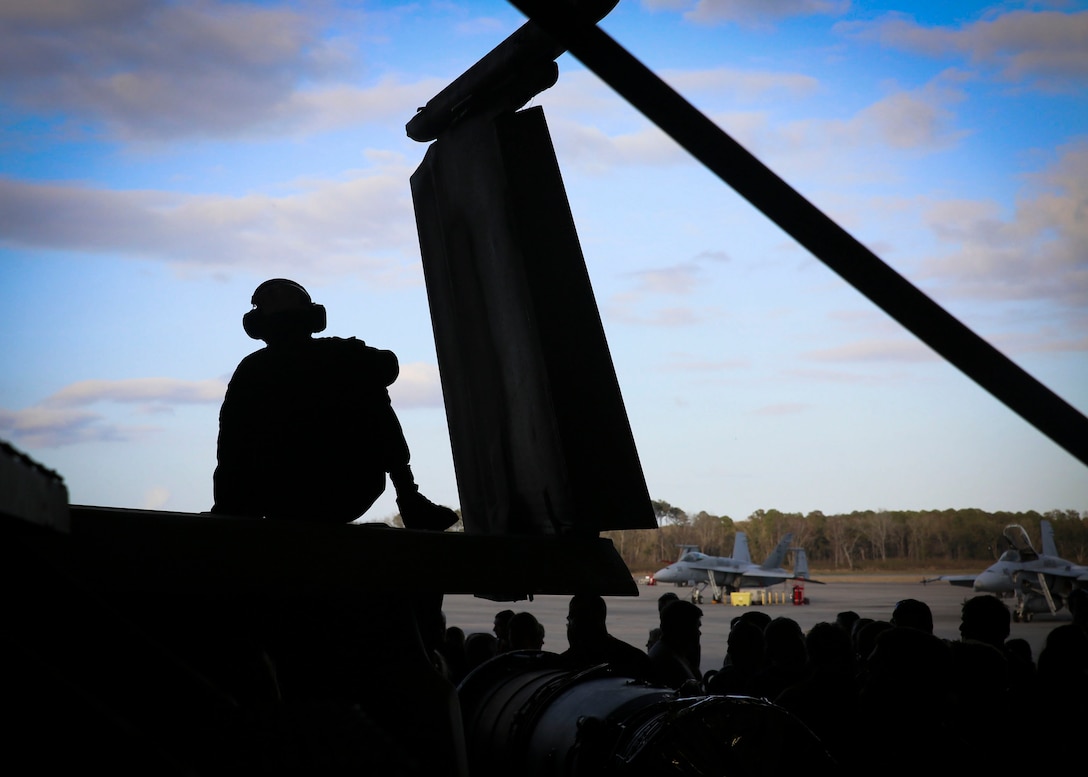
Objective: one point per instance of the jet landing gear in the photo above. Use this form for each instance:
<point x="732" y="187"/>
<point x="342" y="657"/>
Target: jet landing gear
<point x="718" y="594"/>
<point x="1029" y="602"/>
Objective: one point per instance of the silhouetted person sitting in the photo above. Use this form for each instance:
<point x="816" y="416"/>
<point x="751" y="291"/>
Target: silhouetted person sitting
<point x="591" y="644"/>
<point x="1063" y="677"/>
<point x="987" y="619"/>
<point x="306" y="430"/>
<point x="675" y="658"/>
<point x="785" y="657"/>
<point x="743" y="662"/>
<point x="904" y="702"/>
<point x="826" y="699"/>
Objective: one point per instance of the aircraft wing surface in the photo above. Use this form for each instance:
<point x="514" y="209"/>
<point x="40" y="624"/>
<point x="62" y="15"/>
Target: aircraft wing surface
<point x="1073" y="573"/>
<point x="965" y="580"/>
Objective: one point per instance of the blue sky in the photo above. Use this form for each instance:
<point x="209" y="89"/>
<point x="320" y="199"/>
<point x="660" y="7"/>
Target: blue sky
<point x="158" y="160"/>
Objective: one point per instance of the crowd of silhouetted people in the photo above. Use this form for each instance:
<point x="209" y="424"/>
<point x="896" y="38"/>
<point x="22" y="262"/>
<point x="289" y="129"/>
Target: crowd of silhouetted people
<point x="882" y="696"/>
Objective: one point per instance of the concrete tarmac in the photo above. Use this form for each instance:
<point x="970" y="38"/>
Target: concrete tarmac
<point x="631" y="618"/>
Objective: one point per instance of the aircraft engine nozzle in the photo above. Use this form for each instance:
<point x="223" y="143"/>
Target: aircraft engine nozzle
<point x="524" y="714"/>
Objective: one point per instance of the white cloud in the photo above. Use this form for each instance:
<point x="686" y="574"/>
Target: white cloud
<point x="783" y="408"/>
<point x="418" y="385"/>
<point x="141" y="390"/>
<point x="757" y="12"/>
<point x="1039" y="252"/>
<point x="158" y="69"/>
<point x="363" y="222"/>
<point x="917" y="120"/>
<point x="1044" y="47"/>
<point x="63" y="418"/>
<point x="156" y="498"/>
<point x="865" y="351"/>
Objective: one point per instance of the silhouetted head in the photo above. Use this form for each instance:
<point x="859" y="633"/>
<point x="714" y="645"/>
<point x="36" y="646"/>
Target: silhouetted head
<point x="526" y="632"/>
<point x="586" y="617"/>
<point x="985" y="618"/>
<point x="908" y="668"/>
<point x="913" y="614"/>
<point x="501" y="625"/>
<point x="1077" y="602"/>
<point x="681" y="621"/>
<point x="664" y="600"/>
<point x="757" y="618"/>
<point x="282" y="310"/>
<point x="745" y="645"/>
<point x="785" y="642"/>
<point x="846" y="619"/>
<point x="829" y="647"/>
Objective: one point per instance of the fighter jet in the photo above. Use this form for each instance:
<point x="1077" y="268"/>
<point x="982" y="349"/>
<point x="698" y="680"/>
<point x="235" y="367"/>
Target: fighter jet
<point x="726" y="574"/>
<point x="1040" y="582"/>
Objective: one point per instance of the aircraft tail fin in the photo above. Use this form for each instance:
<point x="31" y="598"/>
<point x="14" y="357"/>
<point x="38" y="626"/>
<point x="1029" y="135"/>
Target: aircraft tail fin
<point x="800" y="563"/>
<point x="778" y="555"/>
<point x="1050" y="548"/>
<point x="740" y="549"/>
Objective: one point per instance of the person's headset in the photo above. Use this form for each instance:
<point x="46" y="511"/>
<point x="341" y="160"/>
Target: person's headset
<point x="259" y="323"/>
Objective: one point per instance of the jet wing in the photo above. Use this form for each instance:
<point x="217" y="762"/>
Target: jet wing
<point x="705" y="567"/>
<point x="1071" y="572"/>
<point x="964" y="580"/>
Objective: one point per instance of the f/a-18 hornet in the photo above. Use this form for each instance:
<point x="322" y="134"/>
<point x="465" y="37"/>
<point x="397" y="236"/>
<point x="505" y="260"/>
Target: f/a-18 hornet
<point x="726" y="574"/>
<point x="1041" y="582"/>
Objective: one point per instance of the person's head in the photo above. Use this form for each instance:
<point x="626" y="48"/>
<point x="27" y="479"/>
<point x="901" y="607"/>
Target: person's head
<point x="681" y="622"/>
<point x="502" y="623"/>
<point x="913" y="614"/>
<point x="479" y="647"/>
<point x="744" y="647"/>
<point x="785" y="642"/>
<point x="586" y="617"/>
<point x="526" y="632"/>
<point x="985" y="618"/>
<point x="756" y="617"/>
<point x="846" y="619"/>
<point x="829" y="647"/>
<point x="282" y="310"/>
<point x="665" y="599"/>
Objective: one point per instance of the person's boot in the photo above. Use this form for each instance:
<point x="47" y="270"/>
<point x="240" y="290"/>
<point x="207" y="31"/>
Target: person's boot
<point x="419" y="512"/>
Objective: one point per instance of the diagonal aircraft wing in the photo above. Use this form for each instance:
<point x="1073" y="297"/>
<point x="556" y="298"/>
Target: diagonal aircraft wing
<point x="964" y="580"/>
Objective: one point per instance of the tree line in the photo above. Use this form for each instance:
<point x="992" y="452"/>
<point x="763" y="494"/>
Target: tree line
<point x="869" y="540"/>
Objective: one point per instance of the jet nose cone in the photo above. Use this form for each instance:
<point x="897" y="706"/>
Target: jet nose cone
<point x="664" y="575"/>
<point x="992" y="582"/>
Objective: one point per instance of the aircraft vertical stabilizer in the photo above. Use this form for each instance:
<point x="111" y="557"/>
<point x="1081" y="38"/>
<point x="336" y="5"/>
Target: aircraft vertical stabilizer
<point x="778" y="555"/>
<point x="800" y="563"/>
<point x="740" y="549"/>
<point x="1050" y="548"/>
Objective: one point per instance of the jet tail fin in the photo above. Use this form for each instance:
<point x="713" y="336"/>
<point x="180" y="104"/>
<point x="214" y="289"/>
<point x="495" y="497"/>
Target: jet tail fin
<point x="1050" y="548"/>
<point x="740" y="549"/>
<point x="778" y="555"/>
<point x="800" y="563"/>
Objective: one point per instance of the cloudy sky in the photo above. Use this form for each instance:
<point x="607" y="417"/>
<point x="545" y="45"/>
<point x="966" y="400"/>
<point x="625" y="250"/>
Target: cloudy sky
<point x="160" y="159"/>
